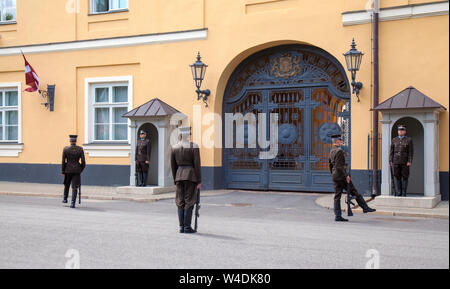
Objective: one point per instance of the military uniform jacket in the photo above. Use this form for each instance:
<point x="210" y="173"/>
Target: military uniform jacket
<point x="72" y="155"/>
<point x="337" y="164"/>
<point x="143" y="150"/>
<point x="402" y="151"/>
<point x="185" y="161"/>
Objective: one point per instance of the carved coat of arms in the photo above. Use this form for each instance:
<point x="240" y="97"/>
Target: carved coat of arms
<point x="286" y="66"/>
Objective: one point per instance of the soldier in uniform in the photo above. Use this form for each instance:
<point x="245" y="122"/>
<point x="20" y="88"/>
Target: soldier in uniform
<point x="73" y="164"/>
<point x="400" y="158"/>
<point x="342" y="180"/>
<point x="143" y="154"/>
<point x="186" y="170"/>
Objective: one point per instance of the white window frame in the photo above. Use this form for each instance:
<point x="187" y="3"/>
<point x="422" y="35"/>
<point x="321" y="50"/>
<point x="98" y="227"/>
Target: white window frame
<point x="90" y="85"/>
<point x="13" y="87"/>
<point x="92" y="4"/>
<point x="8" y="21"/>
<point x="13" y="148"/>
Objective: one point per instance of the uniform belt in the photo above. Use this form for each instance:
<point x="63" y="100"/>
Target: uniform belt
<point x="186" y="167"/>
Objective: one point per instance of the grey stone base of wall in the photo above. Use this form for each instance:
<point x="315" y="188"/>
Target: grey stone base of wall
<point x="362" y="179"/>
<point x="109" y="175"/>
<point x="443" y="180"/>
<point x="212" y="178"/>
<point x="94" y="175"/>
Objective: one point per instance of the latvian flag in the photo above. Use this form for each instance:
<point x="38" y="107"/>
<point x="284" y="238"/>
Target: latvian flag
<point x="31" y="77"/>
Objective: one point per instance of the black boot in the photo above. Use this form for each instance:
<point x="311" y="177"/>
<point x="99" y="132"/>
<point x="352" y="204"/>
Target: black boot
<point x="139" y="181"/>
<point x="338" y="212"/>
<point x="181" y="219"/>
<point x="187" y="221"/>
<point x="404" y="188"/>
<point x="74" y="198"/>
<point x="363" y="204"/>
<point x="144" y="179"/>
<point x="399" y="188"/>
<point x="141" y="177"/>
<point x="340" y="219"/>
<point x="66" y="195"/>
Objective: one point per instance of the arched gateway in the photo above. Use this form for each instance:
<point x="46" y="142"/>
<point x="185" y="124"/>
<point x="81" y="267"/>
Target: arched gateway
<point x="309" y="90"/>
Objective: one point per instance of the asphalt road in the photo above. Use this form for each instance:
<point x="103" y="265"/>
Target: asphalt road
<point x="237" y="230"/>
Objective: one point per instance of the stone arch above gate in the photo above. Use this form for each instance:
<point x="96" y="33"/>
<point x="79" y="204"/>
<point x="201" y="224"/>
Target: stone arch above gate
<point x="288" y="65"/>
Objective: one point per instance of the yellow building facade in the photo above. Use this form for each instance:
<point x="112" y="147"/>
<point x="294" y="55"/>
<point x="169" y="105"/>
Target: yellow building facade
<point x="108" y="57"/>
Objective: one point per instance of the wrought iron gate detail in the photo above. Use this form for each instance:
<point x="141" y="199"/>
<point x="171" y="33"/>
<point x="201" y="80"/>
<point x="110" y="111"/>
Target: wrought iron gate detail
<point x="309" y="91"/>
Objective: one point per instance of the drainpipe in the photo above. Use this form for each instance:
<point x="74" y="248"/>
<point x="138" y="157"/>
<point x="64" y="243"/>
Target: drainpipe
<point x="376" y="94"/>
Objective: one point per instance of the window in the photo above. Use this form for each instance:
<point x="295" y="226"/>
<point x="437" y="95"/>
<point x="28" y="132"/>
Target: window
<point x="7" y="11"/>
<point x="106" y="99"/>
<point x="105" y="6"/>
<point x="9" y="115"/>
<point x="109" y="103"/>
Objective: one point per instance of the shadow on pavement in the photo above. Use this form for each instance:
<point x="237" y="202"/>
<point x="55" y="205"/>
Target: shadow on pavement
<point x="88" y="209"/>
<point x="214" y="236"/>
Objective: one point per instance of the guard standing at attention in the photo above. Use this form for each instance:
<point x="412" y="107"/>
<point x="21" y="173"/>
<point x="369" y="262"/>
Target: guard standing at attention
<point x="401" y="158"/>
<point x="73" y="164"/>
<point x="143" y="154"/>
<point x="342" y="180"/>
<point x="186" y="170"/>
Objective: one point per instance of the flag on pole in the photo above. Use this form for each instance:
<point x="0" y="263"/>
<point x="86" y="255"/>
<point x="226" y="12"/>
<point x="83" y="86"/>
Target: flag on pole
<point x="32" y="80"/>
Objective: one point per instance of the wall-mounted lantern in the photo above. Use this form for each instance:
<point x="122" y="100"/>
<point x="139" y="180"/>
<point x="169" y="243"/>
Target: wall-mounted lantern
<point x="48" y="97"/>
<point x="353" y="59"/>
<point x="198" y="73"/>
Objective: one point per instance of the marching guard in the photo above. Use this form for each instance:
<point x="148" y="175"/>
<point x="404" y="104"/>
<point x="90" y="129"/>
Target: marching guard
<point x="73" y="164"/>
<point x="342" y="180"/>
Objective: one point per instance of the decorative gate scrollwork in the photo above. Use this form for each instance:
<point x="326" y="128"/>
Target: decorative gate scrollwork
<point x="308" y="89"/>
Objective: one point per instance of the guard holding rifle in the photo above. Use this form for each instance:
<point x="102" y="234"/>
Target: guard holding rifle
<point x="186" y="170"/>
<point x="400" y="158"/>
<point x="342" y="180"/>
<point x="73" y="164"/>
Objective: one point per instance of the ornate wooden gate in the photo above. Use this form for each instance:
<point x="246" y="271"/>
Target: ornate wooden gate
<point x="308" y="90"/>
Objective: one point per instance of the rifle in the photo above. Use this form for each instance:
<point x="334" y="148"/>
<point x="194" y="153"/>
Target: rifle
<point x="197" y="210"/>
<point x="79" y="200"/>
<point x="393" y="186"/>
<point x="372" y="198"/>
<point x="349" y="200"/>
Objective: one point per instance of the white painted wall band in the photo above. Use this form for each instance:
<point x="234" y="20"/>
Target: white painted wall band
<point x="397" y="13"/>
<point x="108" y="43"/>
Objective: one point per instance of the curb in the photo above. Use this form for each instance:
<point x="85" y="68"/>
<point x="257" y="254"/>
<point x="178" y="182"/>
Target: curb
<point x="99" y="198"/>
<point x="390" y="213"/>
<point x="141" y="199"/>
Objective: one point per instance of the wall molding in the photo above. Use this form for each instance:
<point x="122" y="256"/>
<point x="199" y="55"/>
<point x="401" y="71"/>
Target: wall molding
<point x="115" y="42"/>
<point x="10" y="150"/>
<point x="108" y="151"/>
<point x="397" y="13"/>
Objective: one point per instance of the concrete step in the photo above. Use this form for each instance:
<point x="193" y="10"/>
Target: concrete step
<point x="408" y="202"/>
<point x="145" y="191"/>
